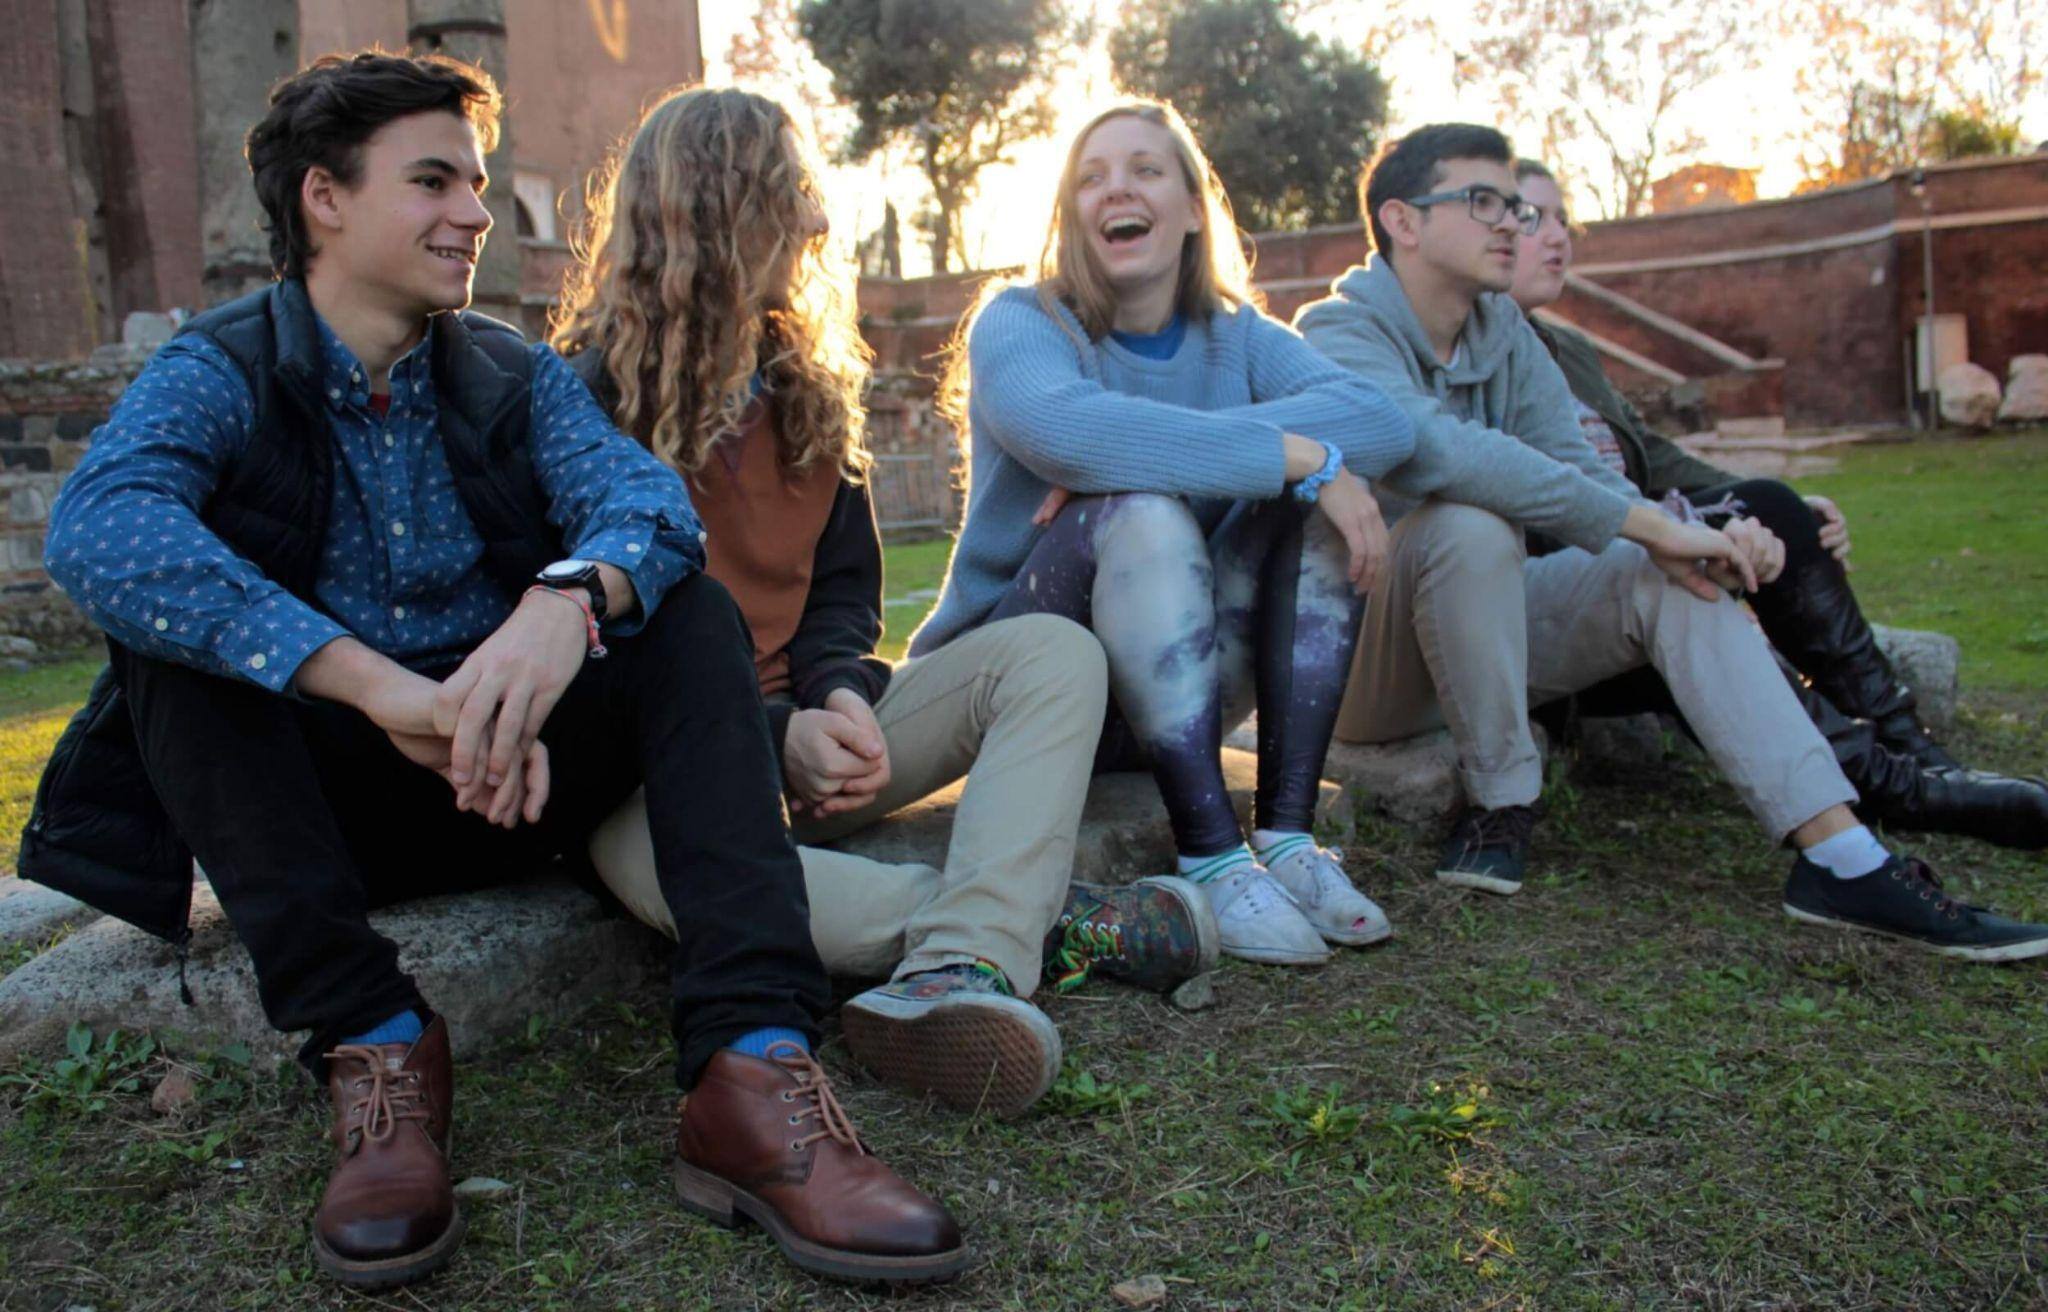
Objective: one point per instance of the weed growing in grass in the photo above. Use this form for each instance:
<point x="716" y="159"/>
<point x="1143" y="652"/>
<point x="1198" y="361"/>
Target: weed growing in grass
<point x="91" y="1074"/>
<point x="1076" y="1092"/>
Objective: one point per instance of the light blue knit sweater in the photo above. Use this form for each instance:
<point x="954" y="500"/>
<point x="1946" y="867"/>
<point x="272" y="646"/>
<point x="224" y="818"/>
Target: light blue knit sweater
<point x="1045" y="410"/>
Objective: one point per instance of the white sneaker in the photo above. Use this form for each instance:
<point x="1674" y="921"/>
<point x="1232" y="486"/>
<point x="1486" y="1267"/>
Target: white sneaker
<point x="1314" y="877"/>
<point x="1258" y="921"/>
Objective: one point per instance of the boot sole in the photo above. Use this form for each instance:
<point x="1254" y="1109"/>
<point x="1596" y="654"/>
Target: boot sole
<point x="723" y="1203"/>
<point x="994" y="1054"/>
<point x="1208" y="938"/>
<point x="388" y="1272"/>
<point x="2022" y="951"/>
<point x="1484" y="883"/>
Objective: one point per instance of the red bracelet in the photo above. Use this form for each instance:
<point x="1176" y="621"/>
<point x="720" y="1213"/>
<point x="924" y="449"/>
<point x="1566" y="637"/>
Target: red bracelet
<point x="597" y="650"/>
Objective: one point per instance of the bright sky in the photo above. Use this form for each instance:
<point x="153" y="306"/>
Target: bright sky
<point x="1743" y="119"/>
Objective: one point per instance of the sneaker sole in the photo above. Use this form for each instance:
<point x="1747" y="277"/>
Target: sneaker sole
<point x="996" y="1055"/>
<point x="390" y="1272"/>
<point x="1277" y="956"/>
<point x="1346" y="939"/>
<point x="1208" y="938"/>
<point x="723" y="1203"/>
<point x="2023" y="951"/>
<point x="1484" y="883"/>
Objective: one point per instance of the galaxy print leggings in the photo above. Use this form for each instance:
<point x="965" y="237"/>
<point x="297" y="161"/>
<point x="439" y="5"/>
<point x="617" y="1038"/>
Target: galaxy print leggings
<point x="1197" y="626"/>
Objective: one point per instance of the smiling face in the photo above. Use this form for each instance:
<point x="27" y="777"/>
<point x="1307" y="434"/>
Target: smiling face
<point x="1446" y="238"/>
<point x="1132" y="199"/>
<point x="1542" y="261"/>
<point x="408" y="232"/>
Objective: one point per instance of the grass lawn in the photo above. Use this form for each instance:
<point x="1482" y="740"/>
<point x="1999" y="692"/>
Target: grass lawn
<point x="1634" y="1085"/>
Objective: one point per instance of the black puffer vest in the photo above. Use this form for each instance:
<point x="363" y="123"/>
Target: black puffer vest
<point x="98" y="831"/>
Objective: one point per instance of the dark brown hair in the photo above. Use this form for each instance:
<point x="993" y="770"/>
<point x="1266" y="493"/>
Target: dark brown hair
<point x="1411" y="167"/>
<point x="322" y="115"/>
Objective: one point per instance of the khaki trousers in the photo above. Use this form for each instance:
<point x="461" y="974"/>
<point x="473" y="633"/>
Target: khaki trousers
<point x="1466" y="631"/>
<point x="1015" y="706"/>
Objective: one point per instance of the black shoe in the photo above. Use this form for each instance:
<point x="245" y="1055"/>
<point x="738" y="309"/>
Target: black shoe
<point x="1894" y="789"/>
<point x="1994" y="807"/>
<point x="1488" y="850"/>
<point x="1902" y="899"/>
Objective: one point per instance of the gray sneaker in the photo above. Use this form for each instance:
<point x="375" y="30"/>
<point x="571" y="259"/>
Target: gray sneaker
<point x="957" y="1033"/>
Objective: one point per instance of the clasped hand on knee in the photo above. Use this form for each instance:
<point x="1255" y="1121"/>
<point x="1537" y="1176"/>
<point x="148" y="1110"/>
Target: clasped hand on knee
<point x="834" y="758"/>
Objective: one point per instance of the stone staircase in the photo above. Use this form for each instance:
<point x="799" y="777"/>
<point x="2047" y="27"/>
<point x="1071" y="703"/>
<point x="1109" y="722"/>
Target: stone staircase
<point x="490" y="960"/>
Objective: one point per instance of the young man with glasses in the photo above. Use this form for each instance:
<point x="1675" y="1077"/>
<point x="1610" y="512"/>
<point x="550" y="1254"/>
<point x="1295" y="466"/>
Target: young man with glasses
<point x="1467" y="629"/>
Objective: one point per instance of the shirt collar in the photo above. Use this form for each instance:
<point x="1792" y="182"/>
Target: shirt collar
<point x="345" y="382"/>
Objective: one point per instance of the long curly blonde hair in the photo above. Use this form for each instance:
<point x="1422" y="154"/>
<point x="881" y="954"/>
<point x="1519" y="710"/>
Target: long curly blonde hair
<point x="1214" y="271"/>
<point x="676" y="281"/>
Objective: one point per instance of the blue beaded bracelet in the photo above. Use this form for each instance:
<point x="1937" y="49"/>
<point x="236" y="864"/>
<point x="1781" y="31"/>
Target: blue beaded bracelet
<point x="1311" y="487"/>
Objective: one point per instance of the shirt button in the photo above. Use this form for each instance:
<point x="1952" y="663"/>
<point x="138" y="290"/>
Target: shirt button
<point x="700" y="535"/>
<point x="162" y="624"/>
<point x="334" y="393"/>
<point x="633" y="548"/>
<point x="397" y="528"/>
<point x="389" y="440"/>
<point x="398" y="612"/>
<point x="258" y="661"/>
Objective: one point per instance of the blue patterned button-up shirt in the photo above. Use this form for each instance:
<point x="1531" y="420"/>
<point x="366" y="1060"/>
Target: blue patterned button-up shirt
<point x="402" y="568"/>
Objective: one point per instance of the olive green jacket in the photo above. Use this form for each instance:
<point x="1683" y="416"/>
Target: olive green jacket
<point x="1655" y="464"/>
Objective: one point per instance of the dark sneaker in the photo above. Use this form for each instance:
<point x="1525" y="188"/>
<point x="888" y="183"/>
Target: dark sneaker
<point x="1902" y="899"/>
<point x="1157" y="934"/>
<point x="959" y="1034"/>
<point x="1488" y="850"/>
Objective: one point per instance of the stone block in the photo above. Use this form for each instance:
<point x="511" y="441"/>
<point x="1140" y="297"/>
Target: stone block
<point x="1969" y="395"/>
<point x="145" y="330"/>
<point x="2026" y="390"/>
<point x="1123" y="832"/>
<point x="1927" y="662"/>
<point x="488" y="960"/>
<point x="1622" y="740"/>
<point x="30" y="913"/>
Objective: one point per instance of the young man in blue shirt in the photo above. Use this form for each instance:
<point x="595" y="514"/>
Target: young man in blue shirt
<point x="359" y="554"/>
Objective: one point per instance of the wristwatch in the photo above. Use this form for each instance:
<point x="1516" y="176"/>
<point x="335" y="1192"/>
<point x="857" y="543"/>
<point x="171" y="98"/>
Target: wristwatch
<point x="566" y="574"/>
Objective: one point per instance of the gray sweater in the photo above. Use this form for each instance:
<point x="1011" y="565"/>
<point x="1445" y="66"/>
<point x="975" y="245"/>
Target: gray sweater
<point x="1049" y="408"/>
<point x="1495" y="429"/>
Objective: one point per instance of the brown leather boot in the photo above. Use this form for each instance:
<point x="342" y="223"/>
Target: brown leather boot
<point x="389" y="1213"/>
<point x="766" y="1138"/>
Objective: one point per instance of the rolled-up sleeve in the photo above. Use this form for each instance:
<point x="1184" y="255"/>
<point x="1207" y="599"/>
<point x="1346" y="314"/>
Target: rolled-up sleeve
<point x="612" y="500"/>
<point x="126" y="541"/>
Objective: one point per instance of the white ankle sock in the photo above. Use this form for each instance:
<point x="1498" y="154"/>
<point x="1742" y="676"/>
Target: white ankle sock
<point x="1851" y="854"/>
<point x="1202" y="869"/>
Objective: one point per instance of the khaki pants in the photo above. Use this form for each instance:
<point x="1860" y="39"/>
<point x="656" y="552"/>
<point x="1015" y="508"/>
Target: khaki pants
<point x="1465" y="631"/>
<point x="1016" y="706"/>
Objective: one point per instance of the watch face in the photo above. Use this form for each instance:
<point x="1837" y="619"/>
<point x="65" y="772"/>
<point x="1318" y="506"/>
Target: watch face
<point x="565" y="569"/>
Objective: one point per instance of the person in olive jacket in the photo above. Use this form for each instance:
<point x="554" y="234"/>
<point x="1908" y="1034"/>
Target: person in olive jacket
<point x="1809" y="611"/>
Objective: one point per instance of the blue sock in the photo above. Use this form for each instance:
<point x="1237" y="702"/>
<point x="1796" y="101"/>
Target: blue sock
<point x="1851" y="854"/>
<point x="405" y="1027"/>
<point x="757" y="1043"/>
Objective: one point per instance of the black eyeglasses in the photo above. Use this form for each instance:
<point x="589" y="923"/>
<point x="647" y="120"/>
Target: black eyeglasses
<point x="1487" y="206"/>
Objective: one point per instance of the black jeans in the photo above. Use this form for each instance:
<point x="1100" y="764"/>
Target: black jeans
<point x="304" y="817"/>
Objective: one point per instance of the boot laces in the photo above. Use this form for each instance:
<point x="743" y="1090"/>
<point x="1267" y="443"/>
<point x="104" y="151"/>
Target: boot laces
<point x="814" y="1089"/>
<point x="389" y="1096"/>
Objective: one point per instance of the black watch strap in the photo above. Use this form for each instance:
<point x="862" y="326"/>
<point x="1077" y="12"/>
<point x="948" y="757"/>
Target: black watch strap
<point x="566" y="574"/>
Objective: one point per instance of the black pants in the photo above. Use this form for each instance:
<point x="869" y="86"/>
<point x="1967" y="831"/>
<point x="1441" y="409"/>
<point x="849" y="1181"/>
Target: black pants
<point x="305" y="817"/>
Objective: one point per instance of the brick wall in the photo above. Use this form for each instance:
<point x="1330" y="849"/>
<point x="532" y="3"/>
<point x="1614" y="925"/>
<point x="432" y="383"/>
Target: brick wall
<point x="47" y="414"/>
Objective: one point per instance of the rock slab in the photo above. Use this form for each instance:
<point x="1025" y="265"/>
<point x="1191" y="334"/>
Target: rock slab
<point x="2026" y="390"/>
<point x="30" y="913"/>
<point x="1969" y="395"/>
<point x="488" y="960"/>
<point x="1927" y="661"/>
